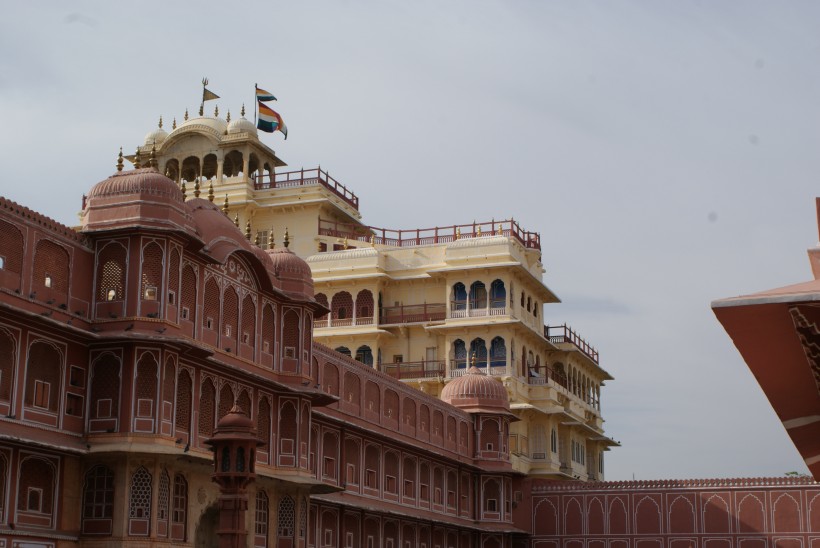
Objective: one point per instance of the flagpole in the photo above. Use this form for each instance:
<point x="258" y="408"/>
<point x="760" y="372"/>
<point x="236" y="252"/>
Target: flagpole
<point x="255" y="104"/>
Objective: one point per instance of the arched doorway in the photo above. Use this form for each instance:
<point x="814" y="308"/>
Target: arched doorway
<point x="205" y="536"/>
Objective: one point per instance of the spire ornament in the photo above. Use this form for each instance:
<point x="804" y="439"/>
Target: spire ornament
<point x="271" y="240"/>
<point x="225" y="206"/>
<point x="119" y="160"/>
<point x="228" y="117"/>
<point x="287" y="238"/>
<point x="160" y="122"/>
<point x="211" y="192"/>
<point x="186" y="114"/>
<point x="248" y="230"/>
<point x="137" y="158"/>
<point x="256" y="240"/>
<point x="174" y="125"/>
<point x="216" y="111"/>
<point x="184" y="191"/>
<point x="152" y="159"/>
<point x="236" y="220"/>
<point x="242" y="112"/>
<point x="196" y="188"/>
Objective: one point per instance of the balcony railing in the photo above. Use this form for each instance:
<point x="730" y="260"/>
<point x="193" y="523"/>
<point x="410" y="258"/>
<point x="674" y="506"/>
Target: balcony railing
<point x="540" y="376"/>
<point x="306" y="177"/>
<point x="427" y="236"/>
<point x="458" y="309"/>
<point x="413" y="313"/>
<point x="415" y="370"/>
<point x="557" y="334"/>
<point x="342" y="322"/>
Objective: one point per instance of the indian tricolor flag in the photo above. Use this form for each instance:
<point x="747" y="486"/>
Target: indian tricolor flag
<point x="270" y="121"/>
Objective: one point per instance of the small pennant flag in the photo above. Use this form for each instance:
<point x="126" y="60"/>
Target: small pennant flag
<point x="262" y="95"/>
<point x="208" y="95"/>
<point x="270" y="121"/>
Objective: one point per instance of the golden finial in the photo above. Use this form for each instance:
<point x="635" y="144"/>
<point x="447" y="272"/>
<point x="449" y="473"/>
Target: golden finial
<point x="256" y="240"/>
<point x="345" y="243"/>
<point x="500" y="231"/>
<point x="119" y="160"/>
<point x="236" y="220"/>
<point x="196" y="188"/>
<point x="478" y="232"/>
<point x="152" y="159"/>
<point x="184" y="191"/>
<point x="216" y="111"/>
<point x="160" y="122"/>
<point x="248" y="230"/>
<point x="319" y="247"/>
<point x="225" y="206"/>
<point x="242" y="112"/>
<point x="228" y="117"/>
<point x="372" y="240"/>
<point x="186" y="114"/>
<point x="287" y="238"/>
<point x="271" y="240"/>
<point x="174" y="124"/>
<point x="211" y="192"/>
<point x="137" y="158"/>
<point x="472" y="361"/>
<point x="458" y="233"/>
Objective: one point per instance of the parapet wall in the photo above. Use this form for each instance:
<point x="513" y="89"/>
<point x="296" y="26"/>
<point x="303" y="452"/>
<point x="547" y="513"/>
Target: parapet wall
<point x="720" y="513"/>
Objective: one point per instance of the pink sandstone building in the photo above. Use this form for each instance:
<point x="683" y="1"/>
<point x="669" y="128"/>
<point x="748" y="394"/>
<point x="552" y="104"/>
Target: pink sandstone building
<point x="161" y="385"/>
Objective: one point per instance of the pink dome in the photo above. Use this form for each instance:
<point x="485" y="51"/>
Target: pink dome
<point x="293" y="273"/>
<point x="137" y="181"/>
<point x="476" y="392"/>
<point x="235" y="419"/>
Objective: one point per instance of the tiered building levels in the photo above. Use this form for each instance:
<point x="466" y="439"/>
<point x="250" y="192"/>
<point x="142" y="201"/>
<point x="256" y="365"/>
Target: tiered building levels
<point x="420" y="305"/>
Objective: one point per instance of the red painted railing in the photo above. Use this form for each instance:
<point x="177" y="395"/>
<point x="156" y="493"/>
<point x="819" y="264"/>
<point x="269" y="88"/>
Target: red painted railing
<point x="415" y="370"/>
<point x="540" y="376"/>
<point x="557" y="334"/>
<point x="306" y="177"/>
<point x="413" y="313"/>
<point x="427" y="236"/>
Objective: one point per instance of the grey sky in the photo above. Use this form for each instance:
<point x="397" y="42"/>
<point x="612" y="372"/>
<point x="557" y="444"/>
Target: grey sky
<point x="666" y="152"/>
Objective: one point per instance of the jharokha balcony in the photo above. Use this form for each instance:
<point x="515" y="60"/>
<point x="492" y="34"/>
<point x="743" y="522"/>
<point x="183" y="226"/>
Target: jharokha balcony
<point x="558" y="334"/>
<point x="306" y="177"/>
<point x="428" y="236"/>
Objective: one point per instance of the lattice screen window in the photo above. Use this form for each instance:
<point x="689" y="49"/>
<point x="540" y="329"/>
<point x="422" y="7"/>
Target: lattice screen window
<point x="164" y="495"/>
<point x="188" y="300"/>
<point x="211" y="316"/>
<point x="267" y="329"/>
<point x="183" y="411"/>
<point x="290" y="334"/>
<point x="152" y="258"/>
<point x="98" y="493"/>
<point x="146" y="378"/>
<point x="51" y="261"/>
<point x="248" y="321"/>
<point x="207" y="407"/>
<point x="11" y="248"/>
<point x="140" y="502"/>
<point x="286" y="517"/>
<point x="263" y="423"/>
<point x="105" y="387"/>
<point x="226" y="400"/>
<point x="7" y="352"/>
<point x="111" y="273"/>
<point x="230" y="311"/>
<point x="173" y="275"/>
<point x="302" y="518"/>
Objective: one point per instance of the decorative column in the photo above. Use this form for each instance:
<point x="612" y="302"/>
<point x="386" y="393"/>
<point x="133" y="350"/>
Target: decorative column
<point x="234" y="445"/>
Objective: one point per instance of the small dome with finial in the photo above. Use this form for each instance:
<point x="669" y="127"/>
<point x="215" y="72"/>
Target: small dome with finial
<point x="241" y="125"/>
<point x="477" y="392"/>
<point x="290" y="270"/>
<point x="157" y="136"/>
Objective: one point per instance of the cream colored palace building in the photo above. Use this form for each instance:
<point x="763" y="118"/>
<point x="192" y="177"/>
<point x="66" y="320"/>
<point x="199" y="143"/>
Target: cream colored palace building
<point x="420" y="305"/>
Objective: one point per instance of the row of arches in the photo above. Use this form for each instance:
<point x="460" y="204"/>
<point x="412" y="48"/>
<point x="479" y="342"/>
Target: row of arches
<point x="345" y="310"/>
<point x="479" y="353"/>
<point x="216" y="166"/>
<point x="478" y="301"/>
<point x="51" y="272"/>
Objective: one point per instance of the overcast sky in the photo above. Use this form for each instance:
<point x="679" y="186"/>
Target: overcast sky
<point x="667" y="152"/>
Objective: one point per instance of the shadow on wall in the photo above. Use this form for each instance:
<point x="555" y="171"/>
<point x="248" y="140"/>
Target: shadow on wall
<point x="205" y="536"/>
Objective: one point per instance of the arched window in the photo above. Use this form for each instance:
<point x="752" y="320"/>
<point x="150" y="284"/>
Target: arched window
<point x="343" y="350"/>
<point x="182" y="422"/>
<point x="268" y="329"/>
<point x="230" y="320"/>
<point x="459" y="297"/>
<point x="209" y="166"/>
<point x="459" y="354"/>
<point x="364" y="307"/>
<point x="248" y="321"/>
<point x="111" y="272"/>
<point x="478" y="295"/>
<point x="179" y="511"/>
<point x="98" y="501"/>
<point x="290" y="336"/>
<point x="11" y="248"/>
<point x="36" y="486"/>
<point x="263" y="423"/>
<point x="341" y="308"/>
<point x="498" y="294"/>
<point x="226" y="400"/>
<point x="498" y="352"/>
<point x="145" y="393"/>
<point x="364" y="355"/>
<point x="163" y="503"/>
<point x="43" y="375"/>
<point x="152" y="258"/>
<point x="190" y="168"/>
<point x="321" y="298"/>
<point x="8" y="346"/>
<point x="188" y="299"/>
<point x="478" y="350"/>
<point x="232" y="165"/>
<point x="261" y="518"/>
<point x="207" y="408"/>
<point x="139" y="505"/>
<point x="211" y="308"/>
<point x="51" y="266"/>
